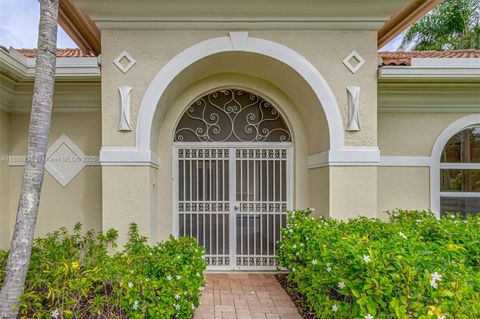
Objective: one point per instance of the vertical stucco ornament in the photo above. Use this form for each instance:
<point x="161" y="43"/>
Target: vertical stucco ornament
<point x="124" y="121"/>
<point x="353" y="108"/>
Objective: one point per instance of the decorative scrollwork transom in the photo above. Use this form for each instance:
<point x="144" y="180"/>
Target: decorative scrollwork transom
<point x="231" y="115"/>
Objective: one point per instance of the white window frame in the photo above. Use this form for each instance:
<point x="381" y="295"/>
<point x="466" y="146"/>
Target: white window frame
<point x="435" y="167"/>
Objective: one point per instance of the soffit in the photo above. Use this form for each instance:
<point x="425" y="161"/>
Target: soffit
<point x="340" y="14"/>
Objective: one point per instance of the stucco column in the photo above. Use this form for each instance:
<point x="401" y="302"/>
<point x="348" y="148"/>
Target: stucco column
<point x="129" y="196"/>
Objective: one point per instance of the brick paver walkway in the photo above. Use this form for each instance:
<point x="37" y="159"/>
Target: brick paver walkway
<point x="245" y="296"/>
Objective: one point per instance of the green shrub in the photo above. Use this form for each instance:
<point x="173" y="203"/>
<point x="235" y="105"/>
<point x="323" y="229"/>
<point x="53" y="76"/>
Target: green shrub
<point x="73" y="276"/>
<point x="415" y="266"/>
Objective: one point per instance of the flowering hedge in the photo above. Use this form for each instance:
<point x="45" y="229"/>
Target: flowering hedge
<point x="73" y="276"/>
<point x="414" y="266"/>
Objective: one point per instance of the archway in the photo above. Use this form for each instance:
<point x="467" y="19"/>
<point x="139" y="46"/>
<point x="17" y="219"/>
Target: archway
<point x="237" y="41"/>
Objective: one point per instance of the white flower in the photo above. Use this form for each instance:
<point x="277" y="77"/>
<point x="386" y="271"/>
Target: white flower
<point x="433" y="283"/>
<point x="366" y="258"/>
<point x="198" y="274"/>
<point x="178" y="257"/>
<point x="55" y="313"/>
<point x="177" y="306"/>
<point x="147" y="280"/>
<point x="193" y="306"/>
<point x="402" y="235"/>
<point x="130" y="285"/>
<point x="329" y="269"/>
<point x="179" y="277"/>
<point x="301" y="244"/>
<point x="201" y="288"/>
<point x="419" y="220"/>
<point x="135" y="305"/>
<point x="334" y="308"/>
<point x="177" y="297"/>
<point x="341" y="285"/>
<point x="314" y="262"/>
<point x="169" y="277"/>
<point x="436" y="276"/>
<point x="442" y="317"/>
<point x="294" y="246"/>
<point x="369" y="316"/>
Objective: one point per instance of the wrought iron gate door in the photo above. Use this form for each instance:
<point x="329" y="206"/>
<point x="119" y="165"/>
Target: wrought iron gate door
<point x="233" y="199"/>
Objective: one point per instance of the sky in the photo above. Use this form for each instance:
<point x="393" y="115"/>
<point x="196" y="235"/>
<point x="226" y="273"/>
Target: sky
<point x="19" y="26"/>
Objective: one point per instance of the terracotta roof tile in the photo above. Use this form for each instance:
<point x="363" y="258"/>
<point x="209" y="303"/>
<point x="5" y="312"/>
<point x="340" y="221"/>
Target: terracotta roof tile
<point x="405" y="58"/>
<point x="61" y="53"/>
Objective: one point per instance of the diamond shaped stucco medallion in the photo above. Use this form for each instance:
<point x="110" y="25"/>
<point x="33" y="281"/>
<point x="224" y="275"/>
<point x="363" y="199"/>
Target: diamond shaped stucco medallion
<point x="64" y="160"/>
<point x="357" y="60"/>
<point x="124" y="62"/>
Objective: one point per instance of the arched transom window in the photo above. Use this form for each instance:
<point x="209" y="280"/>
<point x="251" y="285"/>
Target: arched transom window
<point x="231" y="115"/>
<point x="460" y="173"/>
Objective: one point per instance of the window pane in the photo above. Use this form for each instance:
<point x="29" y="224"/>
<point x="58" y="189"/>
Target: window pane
<point x="465" y="205"/>
<point x="463" y="147"/>
<point x="460" y="180"/>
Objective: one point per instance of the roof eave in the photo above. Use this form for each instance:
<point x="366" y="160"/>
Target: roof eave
<point x="79" y="27"/>
<point x="405" y="18"/>
<point x="20" y="68"/>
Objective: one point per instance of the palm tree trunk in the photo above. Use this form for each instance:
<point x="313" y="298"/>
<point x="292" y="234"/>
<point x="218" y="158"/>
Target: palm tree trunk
<point x="40" y="120"/>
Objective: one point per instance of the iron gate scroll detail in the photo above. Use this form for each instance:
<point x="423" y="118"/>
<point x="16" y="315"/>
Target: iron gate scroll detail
<point x="231" y="115"/>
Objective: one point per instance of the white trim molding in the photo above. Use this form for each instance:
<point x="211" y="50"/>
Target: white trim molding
<point x="339" y="23"/>
<point x="127" y="156"/>
<point x="406" y="161"/>
<point x="433" y="71"/>
<point x="359" y="156"/>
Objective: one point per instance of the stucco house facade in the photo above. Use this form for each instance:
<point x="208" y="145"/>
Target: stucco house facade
<point x="212" y="119"/>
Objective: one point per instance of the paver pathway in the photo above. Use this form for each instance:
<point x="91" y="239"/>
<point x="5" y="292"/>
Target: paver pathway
<point x="245" y="296"/>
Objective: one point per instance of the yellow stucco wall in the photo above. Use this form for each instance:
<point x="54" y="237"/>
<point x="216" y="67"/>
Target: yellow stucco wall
<point x="411" y="134"/>
<point x="152" y="49"/>
<point x="408" y="134"/>
<point x="319" y="191"/>
<point x="81" y="200"/>
<point x="403" y="188"/>
<point x="4" y="185"/>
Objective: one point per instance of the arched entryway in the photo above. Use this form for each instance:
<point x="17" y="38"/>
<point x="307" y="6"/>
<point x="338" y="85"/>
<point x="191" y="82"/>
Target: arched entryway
<point x="232" y="178"/>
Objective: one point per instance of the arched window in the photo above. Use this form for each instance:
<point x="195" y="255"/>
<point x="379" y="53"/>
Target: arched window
<point x="460" y="173"/>
<point x="231" y="115"/>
